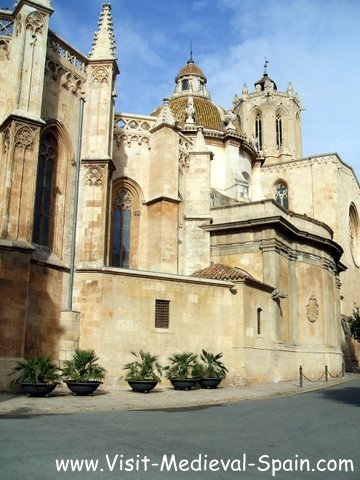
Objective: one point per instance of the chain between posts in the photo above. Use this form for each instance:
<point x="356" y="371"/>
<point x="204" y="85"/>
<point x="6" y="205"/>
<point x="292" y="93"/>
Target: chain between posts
<point x="325" y="374"/>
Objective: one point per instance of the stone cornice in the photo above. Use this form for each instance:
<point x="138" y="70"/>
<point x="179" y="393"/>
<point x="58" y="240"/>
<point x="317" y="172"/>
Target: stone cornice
<point x="34" y="4"/>
<point x="22" y="117"/>
<point x="162" y="198"/>
<point x="154" y="276"/>
<point x="280" y="224"/>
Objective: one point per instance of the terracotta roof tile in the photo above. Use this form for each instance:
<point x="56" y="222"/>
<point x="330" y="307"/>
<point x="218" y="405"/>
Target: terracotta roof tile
<point x="218" y="271"/>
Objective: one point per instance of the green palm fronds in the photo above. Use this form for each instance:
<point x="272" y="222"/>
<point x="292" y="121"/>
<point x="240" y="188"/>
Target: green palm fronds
<point x="182" y="365"/>
<point x="83" y="367"/>
<point x="36" y="370"/>
<point x="146" y="368"/>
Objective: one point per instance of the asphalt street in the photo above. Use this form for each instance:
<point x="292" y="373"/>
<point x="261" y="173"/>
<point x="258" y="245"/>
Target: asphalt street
<point x="257" y="439"/>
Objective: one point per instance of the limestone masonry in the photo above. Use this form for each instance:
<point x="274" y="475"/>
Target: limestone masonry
<point x="196" y="226"/>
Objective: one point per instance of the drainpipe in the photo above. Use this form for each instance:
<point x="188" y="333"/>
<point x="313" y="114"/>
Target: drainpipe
<point x="76" y="198"/>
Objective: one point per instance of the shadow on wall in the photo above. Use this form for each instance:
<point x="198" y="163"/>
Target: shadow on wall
<point x="43" y="313"/>
<point x="349" y="346"/>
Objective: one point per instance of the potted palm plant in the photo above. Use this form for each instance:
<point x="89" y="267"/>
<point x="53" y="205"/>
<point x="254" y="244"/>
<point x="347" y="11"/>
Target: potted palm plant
<point x="182" y="369"/>
<point x="211" y="370"/>
<point x="82" y="374"/>
<point x="144" y="373"/>
<point x="38" y="376"/>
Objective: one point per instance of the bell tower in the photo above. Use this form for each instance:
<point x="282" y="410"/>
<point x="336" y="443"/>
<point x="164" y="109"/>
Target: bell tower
<point x="271" y="120"/>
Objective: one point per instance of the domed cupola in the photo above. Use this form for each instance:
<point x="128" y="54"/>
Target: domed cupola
<point x="191" y="80"/>
<point x="191" y="104"/>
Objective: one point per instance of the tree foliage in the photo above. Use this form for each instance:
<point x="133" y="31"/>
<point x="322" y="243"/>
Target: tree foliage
<point x="355" y="324"/>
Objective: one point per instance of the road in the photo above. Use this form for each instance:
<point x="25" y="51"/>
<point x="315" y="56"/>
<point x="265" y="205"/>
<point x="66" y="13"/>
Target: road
<point x="262" y="439"/>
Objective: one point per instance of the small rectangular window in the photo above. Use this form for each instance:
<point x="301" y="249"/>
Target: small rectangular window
<point x="258" y="318"/>
<point x="162" y="308"/>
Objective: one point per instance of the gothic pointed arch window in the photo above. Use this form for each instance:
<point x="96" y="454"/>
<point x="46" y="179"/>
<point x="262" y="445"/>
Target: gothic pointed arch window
<point x="279" y="131"/>
<point x="44" y="188"/>
<point x="281" y="193"/>
<point x="124" y="225"/>
<point x="259" y="130"/>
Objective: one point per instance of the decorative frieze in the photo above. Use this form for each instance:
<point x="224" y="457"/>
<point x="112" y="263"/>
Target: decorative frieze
<point x="295" y="164"/>
<point x="68" y="79"/>
<point x="131" y="131"/>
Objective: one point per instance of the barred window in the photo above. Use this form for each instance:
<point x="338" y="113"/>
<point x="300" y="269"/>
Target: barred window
<point x="162" y="308"/>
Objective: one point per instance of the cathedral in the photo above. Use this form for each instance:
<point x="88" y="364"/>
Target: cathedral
<point x="192" y="226"/>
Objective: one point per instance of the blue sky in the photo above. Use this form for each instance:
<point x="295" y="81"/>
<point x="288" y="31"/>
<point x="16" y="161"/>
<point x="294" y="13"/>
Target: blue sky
<point x="315" y="44"/>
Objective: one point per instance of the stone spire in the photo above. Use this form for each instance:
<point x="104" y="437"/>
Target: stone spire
<point x="104" y="47"/>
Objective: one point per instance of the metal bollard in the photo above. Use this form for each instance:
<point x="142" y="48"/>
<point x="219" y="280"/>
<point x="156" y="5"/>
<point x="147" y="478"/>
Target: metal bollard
<point x="300" y="376"/>
<point x="326" y="373"/>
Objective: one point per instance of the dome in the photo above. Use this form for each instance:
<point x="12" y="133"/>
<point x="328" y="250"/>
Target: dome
<point x="207" y="114"/>
<point x="190" y="89"/>
<point x="190" y="69"/>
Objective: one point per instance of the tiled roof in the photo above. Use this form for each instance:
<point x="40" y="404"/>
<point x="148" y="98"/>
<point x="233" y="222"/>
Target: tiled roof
<point x="190" y="69"/>
<point x="218" y="271"/>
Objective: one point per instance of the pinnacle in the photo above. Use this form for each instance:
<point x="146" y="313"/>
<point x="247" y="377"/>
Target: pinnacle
<point x="104" y="47"/>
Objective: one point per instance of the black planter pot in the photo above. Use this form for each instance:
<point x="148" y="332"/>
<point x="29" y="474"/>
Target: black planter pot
<point x="184" y="383"/>
<point x="143" y="386"/>
<point x="38" y="389"/>
<point x="209" y="382"/>
<point x="83" y="388"/>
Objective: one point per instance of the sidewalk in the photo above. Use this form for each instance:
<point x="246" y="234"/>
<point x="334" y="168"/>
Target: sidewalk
<point x="163" y="397"/>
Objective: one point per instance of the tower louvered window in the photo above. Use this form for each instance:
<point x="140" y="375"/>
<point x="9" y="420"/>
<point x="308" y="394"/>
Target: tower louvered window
<point x="279" y="133"/>
<point x="258" y="130"/>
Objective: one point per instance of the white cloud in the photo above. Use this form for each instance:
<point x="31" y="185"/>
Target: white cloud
<point x="312" y="43"/>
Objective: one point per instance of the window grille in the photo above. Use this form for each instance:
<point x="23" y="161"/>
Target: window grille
<point x="162" y="309"/>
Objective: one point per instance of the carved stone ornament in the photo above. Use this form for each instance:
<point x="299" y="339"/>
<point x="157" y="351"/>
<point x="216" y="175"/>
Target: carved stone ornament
<point x="100" y="75"/>
<point x="4" y="49"/>
<point x="312" y="309"/>
<point x="6" y="140"/>
<point x="35" y="23"/>
<point x="18" y="25"/>
<point x="24" y="138"/>
<point x="94" y="177"/>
